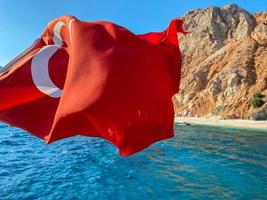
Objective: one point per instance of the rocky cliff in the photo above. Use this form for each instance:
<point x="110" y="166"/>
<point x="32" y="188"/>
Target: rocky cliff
<point x="224" y="63"/>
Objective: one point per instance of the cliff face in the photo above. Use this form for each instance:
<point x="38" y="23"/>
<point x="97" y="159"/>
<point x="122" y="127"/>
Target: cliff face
<point x="224" y="63"/>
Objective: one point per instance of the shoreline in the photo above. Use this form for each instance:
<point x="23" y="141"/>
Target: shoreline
<point x="232" y="123"/>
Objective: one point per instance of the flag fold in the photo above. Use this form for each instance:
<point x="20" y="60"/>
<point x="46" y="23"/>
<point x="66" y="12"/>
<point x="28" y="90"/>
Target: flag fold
<point x="95" y="79"/>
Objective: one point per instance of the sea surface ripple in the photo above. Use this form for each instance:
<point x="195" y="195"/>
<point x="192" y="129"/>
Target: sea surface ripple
<point x="200" y="162"/>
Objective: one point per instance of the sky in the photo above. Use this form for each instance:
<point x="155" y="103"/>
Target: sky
<point x="22" y="21"/>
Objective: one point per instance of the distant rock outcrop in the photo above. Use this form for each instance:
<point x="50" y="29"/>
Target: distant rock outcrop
<point x="224" y="63"/>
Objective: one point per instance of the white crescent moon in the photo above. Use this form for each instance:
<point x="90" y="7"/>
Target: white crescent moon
<point x="40" y="73"/>
<point x="39" y="64"/>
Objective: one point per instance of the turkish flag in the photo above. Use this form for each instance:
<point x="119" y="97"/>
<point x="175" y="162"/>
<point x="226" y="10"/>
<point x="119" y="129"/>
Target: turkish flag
<point x="95" y="79"/>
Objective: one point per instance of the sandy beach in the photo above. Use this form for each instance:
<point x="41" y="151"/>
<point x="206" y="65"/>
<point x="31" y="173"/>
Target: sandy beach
<point x="213" y="121"/>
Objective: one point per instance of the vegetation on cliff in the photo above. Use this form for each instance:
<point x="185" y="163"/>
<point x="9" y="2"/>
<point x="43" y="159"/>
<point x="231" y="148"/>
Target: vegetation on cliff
<point x="224" y="63"/>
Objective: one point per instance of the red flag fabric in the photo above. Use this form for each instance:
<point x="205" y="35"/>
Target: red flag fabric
<point x="94" y="79"/>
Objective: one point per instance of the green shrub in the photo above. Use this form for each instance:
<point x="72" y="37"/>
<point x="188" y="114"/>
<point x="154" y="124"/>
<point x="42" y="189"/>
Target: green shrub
<point x="257" y="101"/>
<point x="258" y="95"/>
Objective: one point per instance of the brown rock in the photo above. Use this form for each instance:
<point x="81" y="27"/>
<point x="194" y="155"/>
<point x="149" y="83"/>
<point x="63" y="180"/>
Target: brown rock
<point x="224" y="62"/>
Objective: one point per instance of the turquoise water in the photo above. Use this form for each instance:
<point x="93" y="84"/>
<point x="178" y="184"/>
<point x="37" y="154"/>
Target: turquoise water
<point x="198" y="163"/>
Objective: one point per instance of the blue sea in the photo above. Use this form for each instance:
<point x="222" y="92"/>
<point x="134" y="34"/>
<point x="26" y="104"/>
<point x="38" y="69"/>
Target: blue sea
<point x="200" y="162"/>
